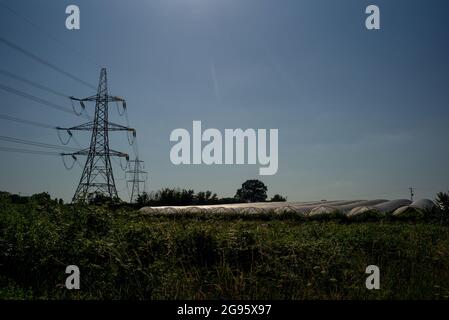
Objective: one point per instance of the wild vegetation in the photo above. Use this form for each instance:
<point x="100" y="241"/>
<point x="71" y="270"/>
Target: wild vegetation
<point x="123" y="254"/>
<point x="251" y="191"/>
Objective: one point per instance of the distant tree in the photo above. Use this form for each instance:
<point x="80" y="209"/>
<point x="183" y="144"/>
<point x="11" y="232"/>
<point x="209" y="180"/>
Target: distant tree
<point x="143" y="199"/>
<point x="15" y="198"/>
<point x="278" y="198"/>
<point x="41" y="198"/>
<point x="206" y="197"/>
<point x="173" y="197"/>
<point x="443" y="201"/>
<point x="211" y="198"/>
<point x="97" y="198"/>
<point x="4" y="194"/>
<point x="186" y="197"/>
<point x="252" y="191"/>
<point x="201" y="197"/>
<point x="183" y="197"/>
<point x="166" y="197"/>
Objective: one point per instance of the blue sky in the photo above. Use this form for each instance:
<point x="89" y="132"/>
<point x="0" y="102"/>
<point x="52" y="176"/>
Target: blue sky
<point x="361" y="114"/>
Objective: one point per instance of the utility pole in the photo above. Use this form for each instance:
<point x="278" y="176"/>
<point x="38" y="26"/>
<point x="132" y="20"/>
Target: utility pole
<point x="412" y="193"/>
<point x="136" y="171"/>
<point x="97" y="177"/>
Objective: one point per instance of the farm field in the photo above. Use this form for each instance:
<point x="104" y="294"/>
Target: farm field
<point x="124" y="254"/>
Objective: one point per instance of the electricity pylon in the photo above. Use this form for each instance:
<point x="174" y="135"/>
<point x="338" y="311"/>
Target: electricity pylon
<point x="97" y="177"/>
<point x="136" y="171"/>
<point x="412" y="193"/>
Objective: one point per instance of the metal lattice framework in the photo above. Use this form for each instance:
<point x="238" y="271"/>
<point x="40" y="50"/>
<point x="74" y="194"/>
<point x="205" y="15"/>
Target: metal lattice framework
<point x="136" y="180"/>
<point x="97" y="177"/>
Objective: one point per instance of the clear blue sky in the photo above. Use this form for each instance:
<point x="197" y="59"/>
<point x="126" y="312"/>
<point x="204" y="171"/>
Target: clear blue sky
<point x="360" y="114"/>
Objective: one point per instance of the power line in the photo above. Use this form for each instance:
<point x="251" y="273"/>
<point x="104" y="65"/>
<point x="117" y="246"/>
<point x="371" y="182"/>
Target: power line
<point x="38" y="124"/>
<point x="76" y="141"/>
<point x="44" y="62"/>
<point x="36" y="143"/>
<point x="46" y="102"/>
<point x="62" y="43"/>
<point x="34" y="84"/>
<point x="36" y="152"/>
<point x="28" y="122"/>
<point x="36" y="99"/>
<point x="41" y="152"/>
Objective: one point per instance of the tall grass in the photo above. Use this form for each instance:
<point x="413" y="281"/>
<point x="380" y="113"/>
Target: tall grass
<point x="125" y="255"/>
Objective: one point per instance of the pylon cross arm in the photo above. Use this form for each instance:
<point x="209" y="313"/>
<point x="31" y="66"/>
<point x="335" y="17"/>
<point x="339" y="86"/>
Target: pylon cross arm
<point x="118" y="127"/>
<point x="88" y="126"/>
<point x="96" y="97"/>
<point x="86" y="152"/>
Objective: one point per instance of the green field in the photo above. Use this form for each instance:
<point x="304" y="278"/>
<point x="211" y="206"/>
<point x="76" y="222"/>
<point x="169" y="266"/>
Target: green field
<point x="125" y="255"/>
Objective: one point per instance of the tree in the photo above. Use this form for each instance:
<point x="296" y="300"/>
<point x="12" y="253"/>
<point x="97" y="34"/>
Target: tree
<point x="186" y="197"/>
<point x="211" y="198"/>
<point x="252" y="191"/>
<point x="206" y="197"/>
<point x="167" y="197"/>
<point x="97" y="198"/>
<point x="143" y="199"/>
<point x="41" y="198"/>
<point x="201" y="197"/>
<point x="278" y="198"/>
<point x="443" y="201"/>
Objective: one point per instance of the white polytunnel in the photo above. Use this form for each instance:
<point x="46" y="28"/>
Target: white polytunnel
<point x="351" y="208"/>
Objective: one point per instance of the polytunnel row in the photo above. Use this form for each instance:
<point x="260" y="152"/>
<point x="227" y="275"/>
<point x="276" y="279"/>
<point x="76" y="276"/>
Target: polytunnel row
<point x="351" y="209"/>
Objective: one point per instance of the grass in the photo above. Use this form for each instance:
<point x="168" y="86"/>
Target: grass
<point x="125" y="255"/>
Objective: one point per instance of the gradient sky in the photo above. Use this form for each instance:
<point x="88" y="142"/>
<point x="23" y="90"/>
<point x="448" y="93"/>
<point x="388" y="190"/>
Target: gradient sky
<point x="361" y="114"/>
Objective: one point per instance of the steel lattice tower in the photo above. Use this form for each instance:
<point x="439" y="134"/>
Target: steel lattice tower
<point x="136" y="171"/>
<point x="97" y="177"/>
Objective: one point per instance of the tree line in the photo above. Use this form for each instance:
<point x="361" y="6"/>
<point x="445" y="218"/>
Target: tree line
<point x="250" y="191"/>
